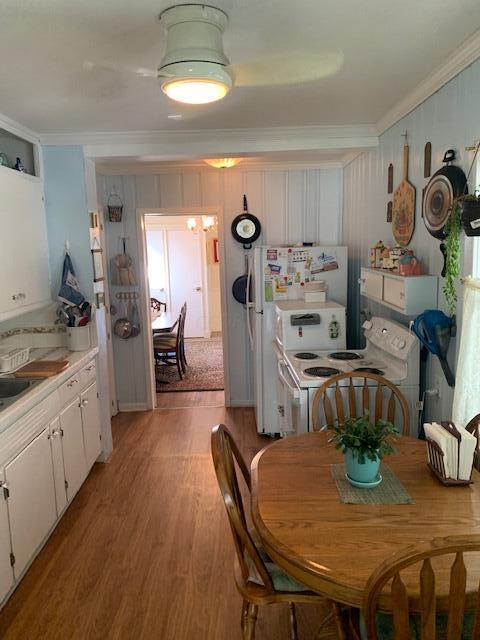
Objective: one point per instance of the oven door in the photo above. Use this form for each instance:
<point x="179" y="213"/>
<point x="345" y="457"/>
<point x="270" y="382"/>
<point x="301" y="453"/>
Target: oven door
<point x="292" y="403"/>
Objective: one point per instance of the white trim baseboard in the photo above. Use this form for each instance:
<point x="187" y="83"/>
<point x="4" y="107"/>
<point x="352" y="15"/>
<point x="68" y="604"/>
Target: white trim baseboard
<point x="133" y="406"/>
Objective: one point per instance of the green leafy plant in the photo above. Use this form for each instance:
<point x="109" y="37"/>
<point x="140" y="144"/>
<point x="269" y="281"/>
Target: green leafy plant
<point x="453" y="230"/>
<point x="368" y="440"/>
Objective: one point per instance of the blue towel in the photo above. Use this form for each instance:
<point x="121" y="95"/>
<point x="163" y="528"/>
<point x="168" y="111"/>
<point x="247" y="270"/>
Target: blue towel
<point x="70" y="292"/>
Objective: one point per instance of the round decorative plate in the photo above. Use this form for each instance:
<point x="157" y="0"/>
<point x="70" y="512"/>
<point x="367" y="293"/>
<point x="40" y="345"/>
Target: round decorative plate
<point x="246" y="228"/>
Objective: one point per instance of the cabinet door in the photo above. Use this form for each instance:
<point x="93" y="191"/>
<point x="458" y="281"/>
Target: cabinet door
<point x="73" y="449"/>
<point x="58" y="468"/>
<point x="394" y="291"/>
<point x="371" y="284"/>
<point x="6" y="571"/>
<point x="31" y="503"/>
<point x="24" y="258"/>
<point x="91" y="424"/>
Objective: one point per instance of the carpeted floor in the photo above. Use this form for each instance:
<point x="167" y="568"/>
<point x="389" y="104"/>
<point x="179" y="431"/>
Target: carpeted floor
<point x="204" y="370"/>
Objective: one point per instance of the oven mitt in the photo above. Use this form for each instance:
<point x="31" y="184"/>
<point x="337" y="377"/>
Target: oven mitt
<point x="70" y="292"/>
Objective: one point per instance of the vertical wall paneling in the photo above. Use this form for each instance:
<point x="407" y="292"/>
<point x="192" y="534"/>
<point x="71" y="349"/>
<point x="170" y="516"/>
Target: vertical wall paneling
<point x="448" y="119"/>
<point x="292" y="205"/>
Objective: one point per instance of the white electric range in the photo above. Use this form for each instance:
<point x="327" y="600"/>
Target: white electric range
<point x="392" y="351"/>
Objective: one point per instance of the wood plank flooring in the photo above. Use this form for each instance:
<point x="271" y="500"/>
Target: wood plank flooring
<point x="144" y="551"/>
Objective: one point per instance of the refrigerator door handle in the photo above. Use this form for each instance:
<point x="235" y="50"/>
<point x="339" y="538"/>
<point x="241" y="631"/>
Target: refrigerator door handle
<point x="249" y="304"/>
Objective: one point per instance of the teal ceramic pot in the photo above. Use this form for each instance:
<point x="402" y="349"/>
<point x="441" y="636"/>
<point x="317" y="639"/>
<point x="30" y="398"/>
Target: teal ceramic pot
<point x="366" y="472"/>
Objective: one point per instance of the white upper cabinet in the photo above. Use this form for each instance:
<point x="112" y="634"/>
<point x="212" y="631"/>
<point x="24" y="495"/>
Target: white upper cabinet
<point x="408" y="295"/>
<point x="24" y="256"/>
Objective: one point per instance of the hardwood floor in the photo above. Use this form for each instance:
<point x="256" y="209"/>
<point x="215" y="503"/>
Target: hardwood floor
<point x="176" y="400"/>
<point x="144" y="551"/>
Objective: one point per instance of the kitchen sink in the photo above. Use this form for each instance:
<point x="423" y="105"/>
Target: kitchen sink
<point x="11" y="389"/>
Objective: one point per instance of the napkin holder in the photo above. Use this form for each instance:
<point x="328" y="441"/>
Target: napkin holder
<point x="436" y="464"/>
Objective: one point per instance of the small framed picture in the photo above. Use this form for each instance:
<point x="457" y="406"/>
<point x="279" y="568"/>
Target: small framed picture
<point x="216" y="257"/>
<point x="98" y="275"/>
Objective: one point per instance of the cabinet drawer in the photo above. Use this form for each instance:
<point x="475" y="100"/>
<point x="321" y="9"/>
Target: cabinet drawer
<point x="88" y="374"/>
<point x="371" y="284"/>
<point x="70" y="389"/>
<point x="394" y="292"/>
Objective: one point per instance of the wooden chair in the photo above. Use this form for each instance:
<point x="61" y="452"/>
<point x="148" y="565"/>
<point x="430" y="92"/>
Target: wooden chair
<point x="156" y="305"/>
<point x="473" y="427"/>
<point x="259" y="580"/>
<point x="348" y="392"/>
<point x="426" y="624"/>
<point x="169" y="347"/>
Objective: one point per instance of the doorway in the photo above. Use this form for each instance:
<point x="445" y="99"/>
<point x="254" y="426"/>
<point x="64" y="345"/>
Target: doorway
<point x="183" y="270"/>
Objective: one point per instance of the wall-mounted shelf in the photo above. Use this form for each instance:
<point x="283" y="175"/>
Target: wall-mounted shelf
<point x="409" y="295"/>
<point x="15" y="147"/>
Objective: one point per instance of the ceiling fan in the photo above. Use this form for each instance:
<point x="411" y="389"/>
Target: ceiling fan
<point x="195" y="70"/>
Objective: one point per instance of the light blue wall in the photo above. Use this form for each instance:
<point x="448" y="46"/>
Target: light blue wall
<point x="67" y="214"/>
<point x="449" y="119"/>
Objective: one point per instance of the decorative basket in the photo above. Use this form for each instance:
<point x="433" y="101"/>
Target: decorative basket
<point x="115" y="207"/>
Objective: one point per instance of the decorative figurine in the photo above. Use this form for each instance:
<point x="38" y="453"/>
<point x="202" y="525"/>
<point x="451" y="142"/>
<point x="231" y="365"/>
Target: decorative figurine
<point x="19" y="166"/>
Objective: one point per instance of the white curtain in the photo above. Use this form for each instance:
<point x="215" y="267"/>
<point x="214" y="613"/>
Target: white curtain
<point x="466" y="399"/>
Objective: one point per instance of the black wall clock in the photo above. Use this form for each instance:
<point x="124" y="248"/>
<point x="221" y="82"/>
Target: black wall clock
<point x="246" y="227"/>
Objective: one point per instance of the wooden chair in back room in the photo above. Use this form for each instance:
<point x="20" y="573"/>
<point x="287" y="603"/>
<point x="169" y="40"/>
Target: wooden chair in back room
<point x="338" y="398"/>
<point x="169" y="347"/>
<point x="259" y="580"/>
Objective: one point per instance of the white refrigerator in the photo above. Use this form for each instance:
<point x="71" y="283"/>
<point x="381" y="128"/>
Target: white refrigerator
<point x="280" y="273"/>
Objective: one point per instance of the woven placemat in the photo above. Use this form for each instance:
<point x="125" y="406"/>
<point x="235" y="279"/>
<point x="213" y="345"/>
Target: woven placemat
<point x="389" y="491"/>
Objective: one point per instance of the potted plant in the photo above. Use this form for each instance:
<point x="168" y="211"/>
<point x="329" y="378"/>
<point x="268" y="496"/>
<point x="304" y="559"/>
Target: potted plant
<point x="453" y="230"/>
<point x="364" y="445"/>
<point x="469" y="212"/>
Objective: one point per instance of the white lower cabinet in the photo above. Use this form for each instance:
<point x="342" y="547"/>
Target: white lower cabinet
<point x="58" y="466"/>
<point x="91" y="424"/>
<point x="39" y="478"/>
<point x="6" y="570"/>
<point x="31" y="502"/>
<point x="73" y="448"/>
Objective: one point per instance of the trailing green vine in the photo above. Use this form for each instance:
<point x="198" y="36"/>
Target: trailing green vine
<point x="453" y="229"/>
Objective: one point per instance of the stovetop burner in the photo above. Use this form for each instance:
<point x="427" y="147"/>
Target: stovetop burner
<point x="379" y="372"/>
<point x="306" y="355"/>
<point x="321" y="372"/>
<point x="344" y="355"/>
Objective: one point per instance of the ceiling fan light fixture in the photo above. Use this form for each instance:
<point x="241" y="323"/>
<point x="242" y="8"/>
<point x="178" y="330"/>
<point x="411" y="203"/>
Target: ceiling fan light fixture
<point x="223" y="163"/>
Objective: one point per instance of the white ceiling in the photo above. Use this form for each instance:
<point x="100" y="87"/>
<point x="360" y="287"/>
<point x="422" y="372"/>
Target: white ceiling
<point x="388" y="47"/>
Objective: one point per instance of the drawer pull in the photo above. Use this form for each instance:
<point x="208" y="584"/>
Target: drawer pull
<point x="92" y="366"/>
<point x="71" y="383"/>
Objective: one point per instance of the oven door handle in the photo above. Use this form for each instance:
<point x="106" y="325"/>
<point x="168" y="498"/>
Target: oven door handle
<point x="282" y="369"/>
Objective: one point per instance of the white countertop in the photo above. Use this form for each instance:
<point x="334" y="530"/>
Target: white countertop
<point x="76" y="359"/>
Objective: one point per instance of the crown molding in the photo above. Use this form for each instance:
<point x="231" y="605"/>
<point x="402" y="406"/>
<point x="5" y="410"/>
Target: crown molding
<point x="156" y="168"/>
<point x="18" y="129"/>
<point x="460" y="59"/>
<point x="180" y="145"/>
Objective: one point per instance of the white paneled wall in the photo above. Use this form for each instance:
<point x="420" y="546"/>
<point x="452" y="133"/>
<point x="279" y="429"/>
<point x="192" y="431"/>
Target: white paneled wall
<point x="448" y="119"/>
<point x="292" y="205"/>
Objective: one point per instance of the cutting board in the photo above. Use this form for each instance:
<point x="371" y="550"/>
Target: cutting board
<point x="403" y="214"/>
<point x="42" y="369"/>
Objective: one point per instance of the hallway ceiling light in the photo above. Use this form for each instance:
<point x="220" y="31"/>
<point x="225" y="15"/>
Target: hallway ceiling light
<point x="223" y="163"/>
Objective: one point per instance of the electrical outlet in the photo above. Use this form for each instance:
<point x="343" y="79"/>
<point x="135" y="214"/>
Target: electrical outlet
<point x="438" y="383"/>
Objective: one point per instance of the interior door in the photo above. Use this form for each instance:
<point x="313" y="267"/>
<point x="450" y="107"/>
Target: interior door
<point x="31" y="505"/>
<point x="157" y="267"/>
<point x="185" y="277"/>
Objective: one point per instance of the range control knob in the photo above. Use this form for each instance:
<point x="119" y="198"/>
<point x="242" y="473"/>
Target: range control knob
<point x="401" y="344"/>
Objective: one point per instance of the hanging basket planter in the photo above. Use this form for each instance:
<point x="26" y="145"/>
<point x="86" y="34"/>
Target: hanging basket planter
<point x="115" y="207"/>
<point x="469" y="209"/>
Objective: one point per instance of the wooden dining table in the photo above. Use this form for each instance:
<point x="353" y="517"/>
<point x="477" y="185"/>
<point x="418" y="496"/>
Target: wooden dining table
<point x="165" y="322"/>
<point x="333" y="547"/>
